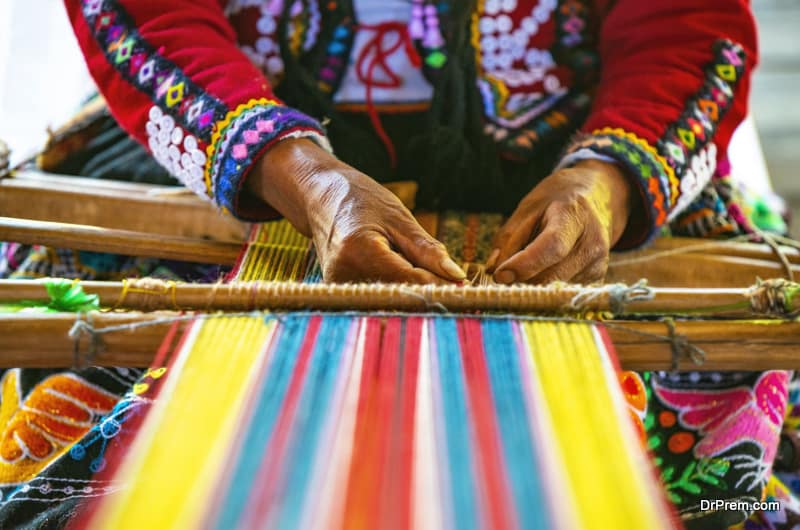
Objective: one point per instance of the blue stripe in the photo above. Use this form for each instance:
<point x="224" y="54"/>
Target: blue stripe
<point x="310" y="418"/>
<point x="457" y="424"/>
<point x="270" y="400"/>
<point x="513" y="420"/>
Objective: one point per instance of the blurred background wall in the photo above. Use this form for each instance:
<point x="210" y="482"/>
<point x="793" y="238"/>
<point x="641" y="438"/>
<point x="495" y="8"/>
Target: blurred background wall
<point x="42" y="79"/>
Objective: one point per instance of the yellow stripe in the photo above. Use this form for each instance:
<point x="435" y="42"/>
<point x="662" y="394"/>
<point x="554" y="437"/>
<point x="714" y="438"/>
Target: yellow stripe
<point x="597" y="451"/>
<point x="179" y="455"/>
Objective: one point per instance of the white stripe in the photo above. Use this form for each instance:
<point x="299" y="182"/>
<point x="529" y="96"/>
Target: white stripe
<point x="425" y="502"/>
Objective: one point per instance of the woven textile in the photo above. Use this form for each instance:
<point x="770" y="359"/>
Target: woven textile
<point x="356" y="421"/>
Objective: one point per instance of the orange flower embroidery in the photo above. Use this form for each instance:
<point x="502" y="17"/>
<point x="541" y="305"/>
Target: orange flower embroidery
<point x="58" y="412"/>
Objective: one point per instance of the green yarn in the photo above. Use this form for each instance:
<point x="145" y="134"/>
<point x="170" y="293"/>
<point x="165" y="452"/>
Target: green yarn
<point x="767" y="219"/>
<point x="790" y="290"/>
<point x="66" y="296"/>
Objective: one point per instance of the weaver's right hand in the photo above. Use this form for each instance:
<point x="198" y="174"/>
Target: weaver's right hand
<point x="361" y="231"/>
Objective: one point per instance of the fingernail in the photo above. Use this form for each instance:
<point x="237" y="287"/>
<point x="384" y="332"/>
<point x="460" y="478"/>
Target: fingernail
<point x="492" y="261"/>
<point x="507" y="277"/>
<point x="449" y="266"/>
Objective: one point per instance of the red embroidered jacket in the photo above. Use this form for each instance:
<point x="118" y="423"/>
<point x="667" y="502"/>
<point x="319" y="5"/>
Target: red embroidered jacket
<point x="189" y="79"/>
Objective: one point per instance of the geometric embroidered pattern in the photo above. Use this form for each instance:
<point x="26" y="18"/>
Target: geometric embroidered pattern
<point x="144" y="67"/>
<point x="242" y="135"/>
<point x="684" y="149"/>
<point x="657" y="179"/>
<point x="696" y="126"/>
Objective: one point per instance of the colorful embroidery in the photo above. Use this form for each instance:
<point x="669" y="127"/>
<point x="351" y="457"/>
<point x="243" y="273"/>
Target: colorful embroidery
<point x="40" y="427"/>
<point x="139" y="63"/>
<point x="684" y="160"/>
<point x="693" y="130"/>
<point x="556" y="124"/>
<point x="714" y="436"/>
<point x="337" y="51"/>
<point x="517" y="80"/>
<point x="426" y="30"/>
<point x="658" y="178"/>
<point x="242" y="135"/>
<point x="636" y="395"/>
<point x="176" y="150"/>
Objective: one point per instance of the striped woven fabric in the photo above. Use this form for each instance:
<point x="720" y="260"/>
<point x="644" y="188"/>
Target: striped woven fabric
<point x="387" y="421"/>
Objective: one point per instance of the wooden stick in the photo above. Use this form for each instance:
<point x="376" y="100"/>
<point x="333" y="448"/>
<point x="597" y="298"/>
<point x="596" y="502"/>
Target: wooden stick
<point x="154" y="295"/>
<point x="759" y="251"/>
<point x="83" y="237"/>
<point x="42" y="341"/>
<point x="696" y="270"/>
<point x="163" y="210"/>
<point x="689" y="270"/>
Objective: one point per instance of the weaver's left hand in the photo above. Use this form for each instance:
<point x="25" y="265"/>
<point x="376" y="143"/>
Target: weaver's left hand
<point x="564" y="229"/>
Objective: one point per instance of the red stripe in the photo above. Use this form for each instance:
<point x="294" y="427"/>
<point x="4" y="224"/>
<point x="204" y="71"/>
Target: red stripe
<point x="269" y="474"/>
<point x="495" y="491"/>
<point x="369" y="472"/>
<point x="612" y="351"/>
<point x="361" y="487"/>
<point x="388" y="414"/>
<point x="396" y="501"/>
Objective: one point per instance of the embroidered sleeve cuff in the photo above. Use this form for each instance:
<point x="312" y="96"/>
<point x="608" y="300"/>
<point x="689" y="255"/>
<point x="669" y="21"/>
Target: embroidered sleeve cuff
<point x="653" y="177"/>
<point x="241" y="138"/>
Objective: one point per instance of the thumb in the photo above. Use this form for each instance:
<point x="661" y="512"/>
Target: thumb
<point x="424" y="251"/>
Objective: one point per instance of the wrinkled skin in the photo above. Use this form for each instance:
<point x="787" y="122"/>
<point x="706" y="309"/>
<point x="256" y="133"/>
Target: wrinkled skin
<point x="562" y="230"/>
<point x="565" y="228"/>
<point x="361" y="231"/>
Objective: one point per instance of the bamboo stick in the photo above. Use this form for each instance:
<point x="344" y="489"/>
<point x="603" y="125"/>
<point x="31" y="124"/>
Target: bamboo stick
<point x="155" y="295"/>
<point x="84" y="237"/>
<point x="164" y="210"/>
<point x="42" y="341"/>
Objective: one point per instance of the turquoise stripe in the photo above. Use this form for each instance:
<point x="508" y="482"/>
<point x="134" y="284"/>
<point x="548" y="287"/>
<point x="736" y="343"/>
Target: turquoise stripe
<point x="272" y="393"/>
<point x="457" y="424"/>
<point x="309" y="419"/>
<point x="516" y="437"/>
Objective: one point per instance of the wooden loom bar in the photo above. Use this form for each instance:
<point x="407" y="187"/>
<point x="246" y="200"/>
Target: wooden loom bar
<point x="42" y="340"/>
<point x="84" y="237"/>
<point x="151" y="209"/>
<point x="695" y="270"/>
<point x="154" y="295"/>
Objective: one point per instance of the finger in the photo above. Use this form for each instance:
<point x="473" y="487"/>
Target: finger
<point x="587" y="251"/>
<point x="562" y="271"/>
<point x="560" y="232"/>
<point x="513" y="235"/>
<point x="594" y="272"/>
<point x="424" y="251"/>
<point x="376" y="261"/>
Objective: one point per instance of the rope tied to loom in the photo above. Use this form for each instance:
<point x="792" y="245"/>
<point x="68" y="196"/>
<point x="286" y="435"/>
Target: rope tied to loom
<point x="774" y="297"/>
<point x="681" y="347"/>
<point x="619" y="296"/>
<point x="79" y="329"/>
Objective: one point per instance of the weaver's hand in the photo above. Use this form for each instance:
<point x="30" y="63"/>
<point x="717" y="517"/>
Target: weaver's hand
<point x="361" y="231"/>
<point x="565" y="228"/>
